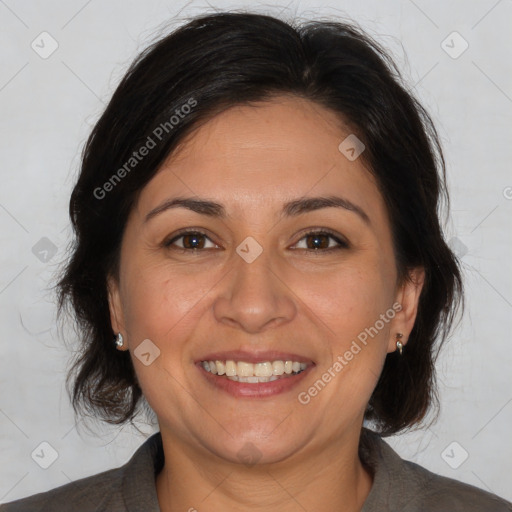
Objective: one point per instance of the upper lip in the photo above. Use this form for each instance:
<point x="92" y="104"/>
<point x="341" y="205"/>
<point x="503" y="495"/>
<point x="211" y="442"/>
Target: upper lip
<point x="253" y="356"/>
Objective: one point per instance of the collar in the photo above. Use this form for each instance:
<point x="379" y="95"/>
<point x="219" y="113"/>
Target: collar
<point x="139" y="484"/>
<point x="397" y="484"/>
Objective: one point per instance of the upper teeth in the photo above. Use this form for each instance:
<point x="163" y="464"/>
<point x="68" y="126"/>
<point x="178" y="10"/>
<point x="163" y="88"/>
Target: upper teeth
<point x="242" y="369"/>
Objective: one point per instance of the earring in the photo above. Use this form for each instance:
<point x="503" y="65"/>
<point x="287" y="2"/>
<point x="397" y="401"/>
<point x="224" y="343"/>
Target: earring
<point x="399" y="344"/>
<point x="119" y="340"/>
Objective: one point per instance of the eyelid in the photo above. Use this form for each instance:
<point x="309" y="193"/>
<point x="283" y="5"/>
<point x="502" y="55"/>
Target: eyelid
<point x="342" y="242"/>
<point x="340" y="239"/>
<point x="182" y="232"/>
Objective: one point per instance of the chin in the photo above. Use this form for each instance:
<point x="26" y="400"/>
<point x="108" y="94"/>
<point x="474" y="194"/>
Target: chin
<point x="256" y="446"/>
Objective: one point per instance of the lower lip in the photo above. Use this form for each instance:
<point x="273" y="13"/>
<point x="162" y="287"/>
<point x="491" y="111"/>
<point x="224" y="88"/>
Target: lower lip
<point x="256" y="390"/>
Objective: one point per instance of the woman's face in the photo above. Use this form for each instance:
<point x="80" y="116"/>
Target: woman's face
<point x="247" y="289"/>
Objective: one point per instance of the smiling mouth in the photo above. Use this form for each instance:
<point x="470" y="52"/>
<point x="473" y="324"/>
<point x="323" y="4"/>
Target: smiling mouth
<point x="267" y="371"/>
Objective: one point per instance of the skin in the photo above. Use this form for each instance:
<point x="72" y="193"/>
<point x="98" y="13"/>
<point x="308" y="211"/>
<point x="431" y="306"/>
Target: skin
<point x="252" y="159"/>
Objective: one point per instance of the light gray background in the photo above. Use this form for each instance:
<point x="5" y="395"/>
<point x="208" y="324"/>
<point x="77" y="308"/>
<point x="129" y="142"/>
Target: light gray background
<point x="48" y="107"/>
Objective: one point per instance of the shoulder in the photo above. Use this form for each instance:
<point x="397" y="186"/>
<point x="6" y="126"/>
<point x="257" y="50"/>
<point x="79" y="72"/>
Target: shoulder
<point x="126" y="488"/>
<point x="439" y="493"/>
<point x="404" y="485"/>
<point x="98" y="492"/>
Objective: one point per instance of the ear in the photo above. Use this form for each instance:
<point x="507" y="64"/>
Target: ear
<point x="408" y="296"/>
<point x="115" y="307"/>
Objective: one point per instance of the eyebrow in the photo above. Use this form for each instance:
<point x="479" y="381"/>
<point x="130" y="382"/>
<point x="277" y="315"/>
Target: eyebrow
<point x="290" y="209"/>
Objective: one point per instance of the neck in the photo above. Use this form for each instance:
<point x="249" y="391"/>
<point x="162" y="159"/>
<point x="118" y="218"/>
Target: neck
<point x="332" y="479"/>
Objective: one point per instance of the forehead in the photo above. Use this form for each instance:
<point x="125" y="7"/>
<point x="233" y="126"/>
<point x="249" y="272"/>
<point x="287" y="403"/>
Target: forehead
<point x="260" y="155"/>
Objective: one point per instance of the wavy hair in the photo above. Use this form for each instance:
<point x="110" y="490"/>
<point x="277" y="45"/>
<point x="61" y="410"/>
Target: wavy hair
<point x="226" y="59"/>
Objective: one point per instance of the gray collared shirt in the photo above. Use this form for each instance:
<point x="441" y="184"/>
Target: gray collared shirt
<point x="398" y="485"/>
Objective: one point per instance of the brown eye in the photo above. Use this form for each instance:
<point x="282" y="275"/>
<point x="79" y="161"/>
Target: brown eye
<point x="321" y="240"/>
<point x="191" y="240"/>
<point x="315" y="241"/>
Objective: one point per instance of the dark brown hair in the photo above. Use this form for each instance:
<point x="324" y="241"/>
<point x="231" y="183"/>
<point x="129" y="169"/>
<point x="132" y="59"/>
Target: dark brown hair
<point x="216" y="61"/>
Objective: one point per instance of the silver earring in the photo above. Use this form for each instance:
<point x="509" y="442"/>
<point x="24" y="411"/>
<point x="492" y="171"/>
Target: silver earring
<point x="399" y="344"/>
<point x="119" y="340"/>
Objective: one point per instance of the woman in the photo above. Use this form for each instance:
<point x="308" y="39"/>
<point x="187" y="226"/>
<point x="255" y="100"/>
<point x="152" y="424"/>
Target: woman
<point x="259" y="256"/>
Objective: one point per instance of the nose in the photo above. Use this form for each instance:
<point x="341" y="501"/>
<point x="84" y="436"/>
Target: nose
<point x="254" y="297"/>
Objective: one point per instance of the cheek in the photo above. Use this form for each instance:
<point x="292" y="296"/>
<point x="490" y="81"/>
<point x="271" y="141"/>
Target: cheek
<point x="354" y="306"/>
<point x="163" y="303"/>
<point x="350" y="297"/>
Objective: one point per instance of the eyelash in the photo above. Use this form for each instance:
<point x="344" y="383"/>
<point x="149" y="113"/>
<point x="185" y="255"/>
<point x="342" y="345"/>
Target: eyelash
<point x="341" y="243"/>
